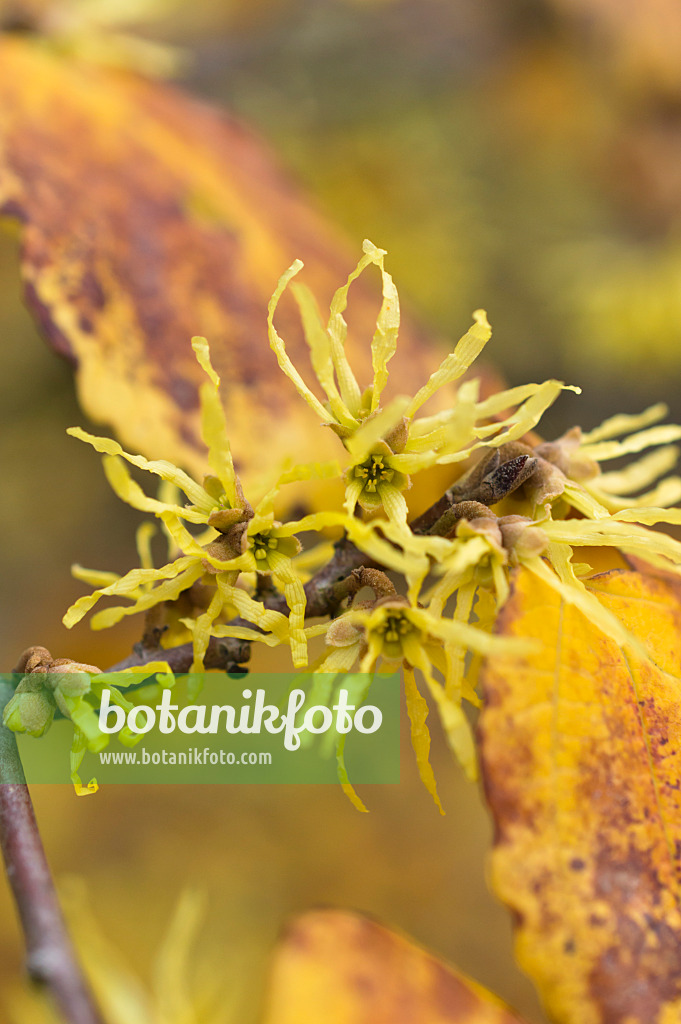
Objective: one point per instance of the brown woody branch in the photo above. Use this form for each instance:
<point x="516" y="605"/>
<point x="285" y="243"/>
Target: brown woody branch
<point x="50" y="957"/>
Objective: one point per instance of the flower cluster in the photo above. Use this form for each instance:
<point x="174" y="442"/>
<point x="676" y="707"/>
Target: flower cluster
<point x="50" y="687"/>
<point x="421" y="594"/>
<point x="386" y="445"/>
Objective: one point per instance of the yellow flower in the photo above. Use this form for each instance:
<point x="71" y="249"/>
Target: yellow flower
<point x="236" y="537"/>
<point x="260" y="545"/>
<point x="387" y="444"/>
<point x="394" y="630"/>
<point x="570" y="467"/>
<point x="485" y="549"/>
<point x="373" y="483"/>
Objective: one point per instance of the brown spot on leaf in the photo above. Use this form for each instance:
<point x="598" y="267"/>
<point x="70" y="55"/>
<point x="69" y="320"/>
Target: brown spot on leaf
<point x="149" y="218"/>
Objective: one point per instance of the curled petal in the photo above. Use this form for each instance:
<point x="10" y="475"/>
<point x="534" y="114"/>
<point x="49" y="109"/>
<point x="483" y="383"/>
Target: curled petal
<point x="129" y="491"/>
<point x="214" y="425"/>
<point x="384" y="342"/>
<point x="320" y="353"/>
<point x="625" y="424"/>
<point x="278" y="347"/>
<point x="165" y="470"/>
<point x="125" y="586"/>
<point x="286" y="577"/>
<point x="417" y="710"/>
<point x="202" y="628"/>
<point x="456" y="363"/>
<point x="169" y="590"/>
<point x="633" y="443"/>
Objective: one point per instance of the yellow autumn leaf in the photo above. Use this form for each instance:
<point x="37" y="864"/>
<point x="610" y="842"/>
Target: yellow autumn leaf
<point x="581" y="755"/>
<point x="334" y="967"/>
<point x="638" y="43"/>
<point x="148" y="218"/>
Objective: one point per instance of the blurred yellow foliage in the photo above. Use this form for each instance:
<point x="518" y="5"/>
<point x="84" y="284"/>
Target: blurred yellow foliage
<point x="344" y="969"/>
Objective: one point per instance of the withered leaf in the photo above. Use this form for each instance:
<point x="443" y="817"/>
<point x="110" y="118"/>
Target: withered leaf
<point x="146" y="218"/>
<point x="581" y="752"/>
<point x="333" y="967"/>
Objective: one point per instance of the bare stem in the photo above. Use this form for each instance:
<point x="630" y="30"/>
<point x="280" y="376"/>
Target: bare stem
<point x="50" y="956"/>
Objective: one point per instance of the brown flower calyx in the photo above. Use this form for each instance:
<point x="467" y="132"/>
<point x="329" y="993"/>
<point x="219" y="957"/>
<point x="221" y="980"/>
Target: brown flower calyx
<point x="228" y="545"/>
<point x="513" y="537"/>
<point x="39" y="659"/>
<point x="396" y="439"/>
<point x="360" y="578"/>
<point x="224" y="517"/>
<point x="391" y="601"/>
<point x="564" y="453"/>
<point x="448" y="522"/>
<point x="343" y="632"/>
<point x="522" y="538"/>
<point x="495" y="475"/>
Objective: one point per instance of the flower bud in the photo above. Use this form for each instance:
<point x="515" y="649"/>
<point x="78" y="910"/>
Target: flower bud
<point x="30" y="710"/>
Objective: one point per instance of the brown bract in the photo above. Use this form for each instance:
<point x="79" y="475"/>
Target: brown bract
<point x="147" y="218"/>
<point x="340" y="968"/>
<point x="581" y="755"/>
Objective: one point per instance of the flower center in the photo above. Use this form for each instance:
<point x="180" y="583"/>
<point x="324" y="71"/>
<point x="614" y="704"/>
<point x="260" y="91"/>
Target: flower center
<point x="374" y="471"/>
<point x="262" y="544"/>
<point x="395" y="627"/>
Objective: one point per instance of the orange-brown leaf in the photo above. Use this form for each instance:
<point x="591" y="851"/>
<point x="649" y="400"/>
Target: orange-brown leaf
<point x="148" y="217"/>
<point x="581" y="752"/>
<point x="334" y="967"/>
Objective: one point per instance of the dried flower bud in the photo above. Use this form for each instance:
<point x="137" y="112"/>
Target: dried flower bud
<point x="447" y="523"/>
<point x="32" y="658"/>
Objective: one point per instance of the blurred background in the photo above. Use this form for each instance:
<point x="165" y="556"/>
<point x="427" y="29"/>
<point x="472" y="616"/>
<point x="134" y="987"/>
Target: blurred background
<point x="521" y="157"/>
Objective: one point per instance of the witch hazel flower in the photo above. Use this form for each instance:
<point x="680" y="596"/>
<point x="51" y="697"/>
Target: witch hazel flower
<point x="570" y="467"/>
<point x="394" y="631"/>
<point x="387" y="444"/>
<point x="236" y="537"/>
<point x="236" y="569"/>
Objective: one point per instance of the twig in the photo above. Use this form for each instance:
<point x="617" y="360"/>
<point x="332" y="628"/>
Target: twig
<point x="223" y="653"/>
<point x="50" y="956"/>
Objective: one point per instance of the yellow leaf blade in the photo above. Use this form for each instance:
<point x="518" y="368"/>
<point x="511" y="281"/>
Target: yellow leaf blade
<point x="183" y="231"/>
<point x="341" y="968"/>
<point x="581" y="758"/>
